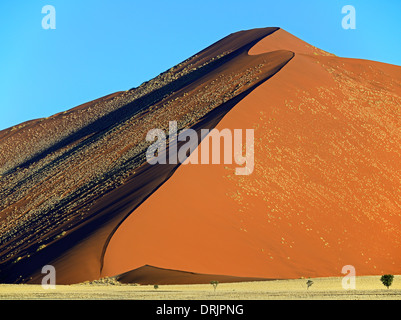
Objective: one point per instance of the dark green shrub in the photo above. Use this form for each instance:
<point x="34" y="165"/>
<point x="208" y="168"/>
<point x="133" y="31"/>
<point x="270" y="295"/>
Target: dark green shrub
<point x="387" y="280"/>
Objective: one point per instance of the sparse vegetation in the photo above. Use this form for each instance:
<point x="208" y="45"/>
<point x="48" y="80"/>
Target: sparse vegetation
<point x="41" y="247"/>
<point x="18" y="259"/>
<point x="107" y="281"/>
<point x="309" y="284"/>
<point x="214" y="283"/>
<point x="156" y="286"/>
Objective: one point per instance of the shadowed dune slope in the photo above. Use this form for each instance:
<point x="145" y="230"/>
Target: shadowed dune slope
<point x="69" y="181"/>
<point x="325" y="191"/>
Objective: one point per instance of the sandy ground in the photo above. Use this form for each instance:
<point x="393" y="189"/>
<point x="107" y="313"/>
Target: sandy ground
<point x="367" y="288"/>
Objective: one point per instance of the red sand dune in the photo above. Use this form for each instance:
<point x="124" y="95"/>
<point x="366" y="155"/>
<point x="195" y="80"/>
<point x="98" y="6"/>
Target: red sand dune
<point x="153" y="275"/>
<point x="324" y="192"/>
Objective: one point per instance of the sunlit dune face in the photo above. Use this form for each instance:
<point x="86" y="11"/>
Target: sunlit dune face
<point x="323" y="193"/>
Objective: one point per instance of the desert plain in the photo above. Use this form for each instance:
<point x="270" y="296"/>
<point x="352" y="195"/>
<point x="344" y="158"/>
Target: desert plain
<point x="330" y="288"/>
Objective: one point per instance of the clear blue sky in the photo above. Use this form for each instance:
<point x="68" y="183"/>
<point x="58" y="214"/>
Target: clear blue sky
<point x="103" y="46"/>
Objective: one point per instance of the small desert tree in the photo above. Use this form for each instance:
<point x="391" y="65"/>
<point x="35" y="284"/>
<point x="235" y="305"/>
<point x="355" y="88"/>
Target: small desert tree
<point x="214" y="283"/>
<point x="387" y="280"/>
<point x="308" y="284"/>
<point x="156" y="286"/>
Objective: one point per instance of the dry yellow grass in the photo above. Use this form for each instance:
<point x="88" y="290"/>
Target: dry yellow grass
<point x="367" y="288"/>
